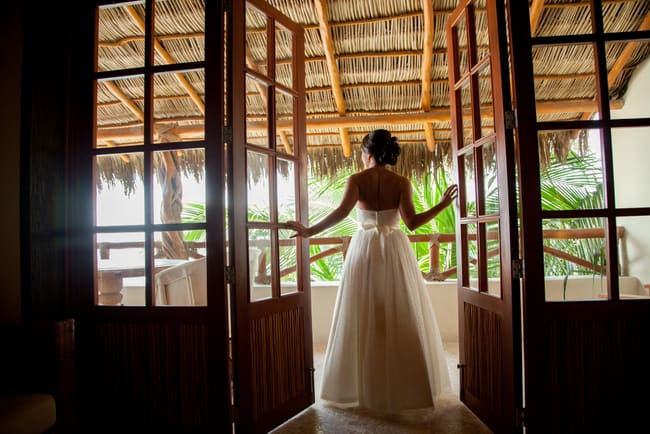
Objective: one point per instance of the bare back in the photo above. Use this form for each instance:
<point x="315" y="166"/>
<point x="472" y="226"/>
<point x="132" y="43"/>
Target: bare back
<point x="380" y="189"/>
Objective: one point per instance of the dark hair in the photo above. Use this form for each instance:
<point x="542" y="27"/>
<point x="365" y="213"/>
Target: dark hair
<point x="382" y="146"/>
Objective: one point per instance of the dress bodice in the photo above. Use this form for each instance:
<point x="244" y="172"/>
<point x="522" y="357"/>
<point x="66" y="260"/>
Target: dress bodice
<point x="384" y="219"/>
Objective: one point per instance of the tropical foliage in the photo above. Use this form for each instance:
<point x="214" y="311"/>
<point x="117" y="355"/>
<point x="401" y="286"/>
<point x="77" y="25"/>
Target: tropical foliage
<point x="574" y="182"/>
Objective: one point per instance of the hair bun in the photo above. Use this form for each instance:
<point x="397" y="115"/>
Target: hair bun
<point x="382" y="146"/>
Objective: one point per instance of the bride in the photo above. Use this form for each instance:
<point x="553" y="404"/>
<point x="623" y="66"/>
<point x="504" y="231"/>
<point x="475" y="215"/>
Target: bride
<point x="384" y="351"/>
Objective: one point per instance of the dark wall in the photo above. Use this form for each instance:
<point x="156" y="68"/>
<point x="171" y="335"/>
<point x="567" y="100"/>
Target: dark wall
<point x="43" y="144"/>
<point x="10" y="65"/>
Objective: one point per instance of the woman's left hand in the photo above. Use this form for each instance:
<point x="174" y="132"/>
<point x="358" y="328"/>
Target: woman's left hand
<point x="450" y="194"/>
<point x="300" y="229"/>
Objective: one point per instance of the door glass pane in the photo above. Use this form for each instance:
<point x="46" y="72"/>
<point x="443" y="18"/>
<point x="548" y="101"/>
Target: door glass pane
<point x="480" y="28"/>
<point x="466" y="104"/>
<point x="624" y="16"/>
<point x="288" y="257"/>
<point x="179" y="186"/>
<point x="461" y="34"/>
<point x="469" y="184"/>
<point x="120" y="102"/>
<point x="493" y="259"/>
<point x="283" y="56"/>
<point x="257" y="113"/>
<point x="259" y="263"/>
<point x="624" y="57"/>
<point x="119" y="269"/>
<point x="577" y="62"/>
<point x="571" y="170"/>
<point x="179" y="31"/>
<point x="256" y="40"/>
<point x="179" y="275"/>
<point x="471" y="255"/>
<point x="485" y="97"/>
<point x="574" y="259"/>
<point x="179" y="107"/>
<point x="634" y="254"/>
<point x="490" y="181"/>
<point x="258" y="187"/>
<point x="284" y="118"/>
<point x="286" y="199"/>
<point x="120" y="39"/>
<point x="119" y="198"/>
<point x="631" y="153"/>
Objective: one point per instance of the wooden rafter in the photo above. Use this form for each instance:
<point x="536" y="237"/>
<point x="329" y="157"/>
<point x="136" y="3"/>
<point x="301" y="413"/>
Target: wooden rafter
<point x="536" y="10"/>
<point x="622" y="60"/>
<point x="169" y="59"/>
<point x="425" y="69"/>
<point x="328" y="46"/>
<point x="619" y="65"/>
<point x="124" y="99"/>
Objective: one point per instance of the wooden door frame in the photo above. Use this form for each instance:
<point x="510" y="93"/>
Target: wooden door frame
<point x="197" y="327"/>
<point x="507" y="307"/>
<point x="552" y="327"/>
<point x="242" y="309"/>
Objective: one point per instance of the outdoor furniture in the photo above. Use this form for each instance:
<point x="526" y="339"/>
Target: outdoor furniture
<point x="182" y="285"/>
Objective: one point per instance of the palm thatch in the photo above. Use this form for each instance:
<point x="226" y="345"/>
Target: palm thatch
<point x="386" y="52"/>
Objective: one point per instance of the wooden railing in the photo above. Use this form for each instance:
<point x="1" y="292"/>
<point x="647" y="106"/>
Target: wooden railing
<point x="340" y="245"/>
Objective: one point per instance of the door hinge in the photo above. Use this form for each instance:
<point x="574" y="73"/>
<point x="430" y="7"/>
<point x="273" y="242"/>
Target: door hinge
<point x="510" y="118"/>
<point x="520" y="417"/>
<point x="227" y="134"/>
<point x="517" y="268"/>
<point x="312" y="388"/>
<point x="230" y="274"/>
<point x="234" y="413"/>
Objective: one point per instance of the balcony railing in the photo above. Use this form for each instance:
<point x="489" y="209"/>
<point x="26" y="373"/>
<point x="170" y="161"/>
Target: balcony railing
<point x="339" y="245"/>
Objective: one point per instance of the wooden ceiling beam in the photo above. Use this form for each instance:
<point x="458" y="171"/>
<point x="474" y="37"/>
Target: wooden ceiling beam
<point x="328" y="47"/>
<point x="436" y="115"/>
<point x="180" y="77"/>
<point x="425" y="68"/>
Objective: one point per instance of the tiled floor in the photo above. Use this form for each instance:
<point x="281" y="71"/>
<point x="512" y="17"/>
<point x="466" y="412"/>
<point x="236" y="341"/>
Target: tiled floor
<point x="450" y="415"/>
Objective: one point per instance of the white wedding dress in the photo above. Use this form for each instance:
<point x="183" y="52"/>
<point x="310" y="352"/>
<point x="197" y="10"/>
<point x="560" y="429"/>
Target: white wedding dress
<point x="384" y="351"/>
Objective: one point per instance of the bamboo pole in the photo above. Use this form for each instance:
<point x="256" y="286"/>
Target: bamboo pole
<point x="332" y="67"/>
<point x="425" y="70"/>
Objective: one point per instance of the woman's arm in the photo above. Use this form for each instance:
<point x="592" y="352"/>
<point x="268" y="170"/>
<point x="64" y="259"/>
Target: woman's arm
<point x="350" y="198"/>
<point x="407" y="210"/>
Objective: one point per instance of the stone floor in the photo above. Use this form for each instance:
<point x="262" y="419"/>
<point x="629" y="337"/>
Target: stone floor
<point x="450" y="415"/>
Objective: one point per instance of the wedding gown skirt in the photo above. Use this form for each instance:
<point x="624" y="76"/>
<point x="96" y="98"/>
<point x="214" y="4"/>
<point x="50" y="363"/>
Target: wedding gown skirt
<point x="384" y="351"/>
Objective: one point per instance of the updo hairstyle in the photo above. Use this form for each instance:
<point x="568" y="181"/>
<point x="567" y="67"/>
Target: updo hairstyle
<point x="382" y="146"/>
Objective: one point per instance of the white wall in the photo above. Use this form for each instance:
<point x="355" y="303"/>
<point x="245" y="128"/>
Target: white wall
<point x="445" y="301"/>
<point x="632" y="172"/>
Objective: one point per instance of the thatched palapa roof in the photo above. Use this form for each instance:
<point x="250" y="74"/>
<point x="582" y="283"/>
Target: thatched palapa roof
<point x="369" y="64"/>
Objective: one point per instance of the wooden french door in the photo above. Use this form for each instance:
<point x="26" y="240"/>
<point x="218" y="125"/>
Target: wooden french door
<point x="146" y="242"/>
<point x="488" y="283"/>
<point x="271" y="329"/>
<point x="585" y="352"/>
